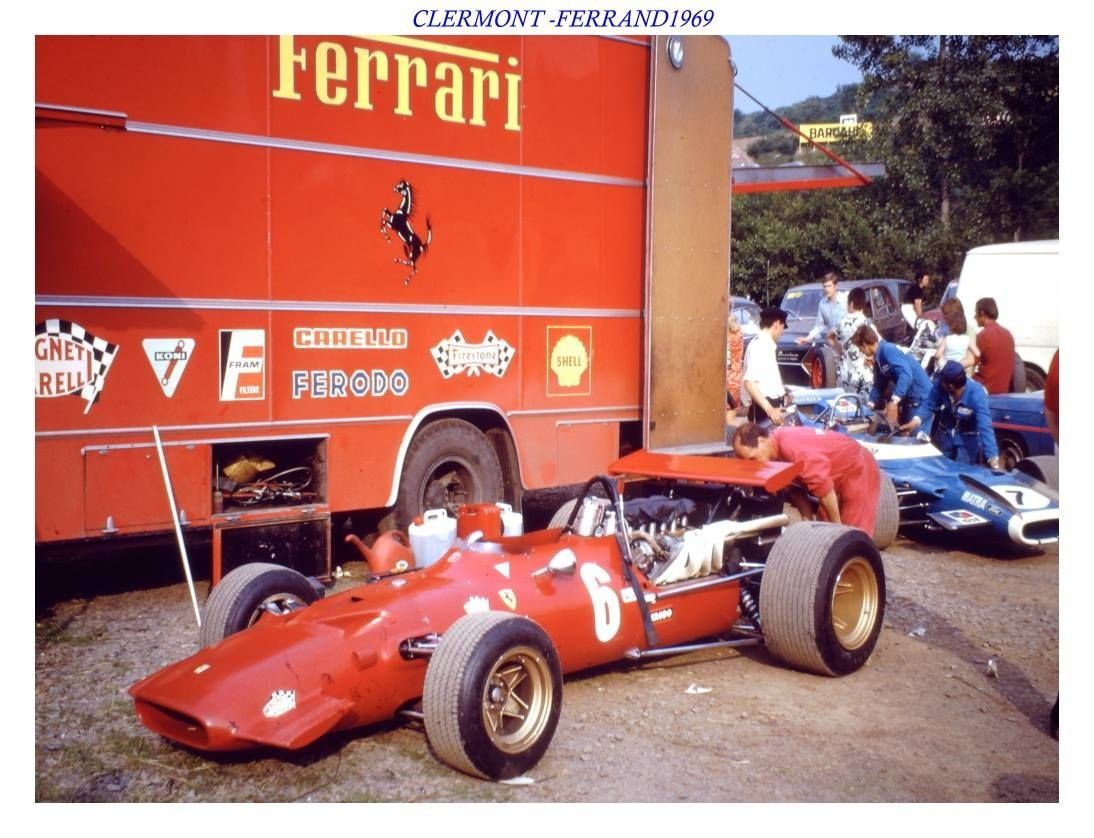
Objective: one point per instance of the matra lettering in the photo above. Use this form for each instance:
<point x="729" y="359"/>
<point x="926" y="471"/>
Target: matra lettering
<point x="458" y="94"/>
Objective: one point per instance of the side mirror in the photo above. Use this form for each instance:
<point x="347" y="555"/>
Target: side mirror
<point x="563" y="562"/>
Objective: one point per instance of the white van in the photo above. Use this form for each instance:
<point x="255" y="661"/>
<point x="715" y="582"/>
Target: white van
<point x="1024" y="280"/>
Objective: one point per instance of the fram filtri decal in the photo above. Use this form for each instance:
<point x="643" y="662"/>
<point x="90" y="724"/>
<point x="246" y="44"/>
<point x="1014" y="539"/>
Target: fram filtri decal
<point x="70" y="361"/>
<point x="168" y="357"/>
<point x="242" y="365"/>
<point x="306" y="337"/>
<point x="569" y="351"/>
<point x="455" y="355"/>
<point x="343" y="384"/>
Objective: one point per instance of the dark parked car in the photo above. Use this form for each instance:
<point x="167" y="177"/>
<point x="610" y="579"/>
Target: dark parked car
<point x="814" y="365"/>
<point x="747" y="314"/>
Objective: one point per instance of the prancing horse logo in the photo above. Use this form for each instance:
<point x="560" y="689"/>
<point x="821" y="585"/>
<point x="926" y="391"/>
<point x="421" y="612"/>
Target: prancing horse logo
<point x="399" y="221"/>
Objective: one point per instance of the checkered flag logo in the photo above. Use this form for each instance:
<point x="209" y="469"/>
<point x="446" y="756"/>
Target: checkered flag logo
<point x="455" y="355"/>
<point x="95" y="364"/>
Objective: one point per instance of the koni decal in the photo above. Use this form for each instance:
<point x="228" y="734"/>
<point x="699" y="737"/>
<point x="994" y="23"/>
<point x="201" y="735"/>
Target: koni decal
<point x="455" y="355"/>
<point x="168" y="357"/>
<point x="242" y="365"/>
<point x="70" y="361"/>
<point x="343" y="384"/>
<point x="569" y="354"/>
<point x="413" y="75"/>
<point x="398" y="221"/>
<point x="305" y="337"/>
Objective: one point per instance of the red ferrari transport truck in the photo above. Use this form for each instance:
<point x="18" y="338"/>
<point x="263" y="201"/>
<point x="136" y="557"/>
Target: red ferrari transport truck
<point x="321" y="275"/>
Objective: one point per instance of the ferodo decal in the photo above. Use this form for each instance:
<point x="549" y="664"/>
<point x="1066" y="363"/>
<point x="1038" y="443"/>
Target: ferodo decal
<point x="305" y="337"/>
<point x="455" y="355"/>
<point x="70" y="361"/>
<point x="168" y="357"/>
<point x="569" y="351"/>
<point x="340" y="384"/>
<point x="242" y="365"/>
<point x="414" y="247"/>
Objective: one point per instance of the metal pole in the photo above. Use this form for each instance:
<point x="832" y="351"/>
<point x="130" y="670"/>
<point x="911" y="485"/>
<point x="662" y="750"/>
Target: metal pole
<point x="178" y="526"/>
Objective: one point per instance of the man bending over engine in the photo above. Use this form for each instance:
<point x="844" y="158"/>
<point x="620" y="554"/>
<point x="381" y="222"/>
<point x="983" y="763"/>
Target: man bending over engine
<point x="838" y="471"/>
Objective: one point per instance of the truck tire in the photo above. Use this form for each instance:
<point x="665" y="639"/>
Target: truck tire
<point x="449" y="463"/>
<point x="822" y="598"/>
<point x="492" y="695"/>
<point x="562" y="515"/>
<point x="247" y="593"/>
<point x="887" y="522"/>
<point x="1018" y="377"/>
<point x="1035" y="379"/>
<point x="1045" y="468"/>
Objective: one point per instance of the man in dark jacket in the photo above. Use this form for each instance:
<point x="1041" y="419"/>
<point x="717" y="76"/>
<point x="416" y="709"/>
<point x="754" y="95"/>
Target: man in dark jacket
<point x="962" y="419"/>
<point x="899" y="380"/>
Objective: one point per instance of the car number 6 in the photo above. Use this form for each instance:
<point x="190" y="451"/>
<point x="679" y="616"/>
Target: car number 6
<point x="605" y="601"/>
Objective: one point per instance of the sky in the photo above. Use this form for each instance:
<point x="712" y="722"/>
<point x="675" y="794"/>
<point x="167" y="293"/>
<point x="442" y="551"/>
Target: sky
<point x="784" y="69"/>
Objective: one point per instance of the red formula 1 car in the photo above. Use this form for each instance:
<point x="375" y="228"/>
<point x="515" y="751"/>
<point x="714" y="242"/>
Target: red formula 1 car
<point x="673" y="553"/>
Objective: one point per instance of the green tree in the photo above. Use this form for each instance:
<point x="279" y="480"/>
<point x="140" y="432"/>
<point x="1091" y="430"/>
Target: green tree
<point x="968" y="128"/>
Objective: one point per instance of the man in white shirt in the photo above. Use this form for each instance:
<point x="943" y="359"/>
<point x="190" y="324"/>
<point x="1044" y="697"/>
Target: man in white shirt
<point x="830" y="311"/>
<point x="763" y="393"/>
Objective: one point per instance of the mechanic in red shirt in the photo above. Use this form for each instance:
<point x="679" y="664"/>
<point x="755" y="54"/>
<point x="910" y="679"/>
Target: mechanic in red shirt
<point x="838" y="471"/>
<point x="996" y="347"/>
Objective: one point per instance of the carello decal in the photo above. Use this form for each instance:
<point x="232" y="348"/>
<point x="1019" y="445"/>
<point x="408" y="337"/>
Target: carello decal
<point x="451" y="83"/>
<point x="242" y="365"/>
<point x="305" y="337"/>
<point x="70" y="361"/>
<point x="342" y="384"/>
<point x="569" y="354"/>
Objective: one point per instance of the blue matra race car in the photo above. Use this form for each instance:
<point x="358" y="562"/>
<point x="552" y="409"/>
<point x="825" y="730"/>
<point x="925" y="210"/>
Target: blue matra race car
<point x="1020" y="506"/>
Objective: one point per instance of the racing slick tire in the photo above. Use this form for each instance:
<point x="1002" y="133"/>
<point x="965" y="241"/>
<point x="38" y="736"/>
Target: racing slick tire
<point x="1045" y="467"/>
<point x="248" y="592"/>
<point x="887" y="521"/>
<point x="562" y="515"/>
<point x="449" y="463"/>
<point x="1011" y="450"/>
<point x="822" y="598"/>
<point x="492" y="695"/>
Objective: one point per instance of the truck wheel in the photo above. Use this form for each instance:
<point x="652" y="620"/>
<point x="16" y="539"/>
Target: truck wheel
<point x="887" y="522"/>
<point x="822" y="369"/>
<point x="1045" y="468"/>
<point x="1011" y="450"/>
<point x="560" y="517"/>
<point x="1018" y="377"/>
<point x="492" y="695"/>
<point x="247" y="593"/>
<point x="1035" y="379"/>
<point x="822" y="598"/>
<point x="449" y="463"/>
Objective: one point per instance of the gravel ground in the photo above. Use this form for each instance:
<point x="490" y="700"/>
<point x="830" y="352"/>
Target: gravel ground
<point x="925" y="720"/>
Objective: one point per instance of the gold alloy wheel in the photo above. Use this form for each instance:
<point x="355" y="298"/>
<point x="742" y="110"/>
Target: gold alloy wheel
<point x="517" y="699"/>
<point x="855" y="603"/>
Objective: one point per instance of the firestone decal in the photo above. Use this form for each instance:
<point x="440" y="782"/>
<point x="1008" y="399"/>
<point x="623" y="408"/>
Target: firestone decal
<point x="340" y="384"/>
<point x="168" y="357"/>
<point x="456" y="355"/>
<point x="70" y="361"/>
<point x="569" y="350"/>
<point x="305" y="337"/>
<point x="242" y="365"/>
